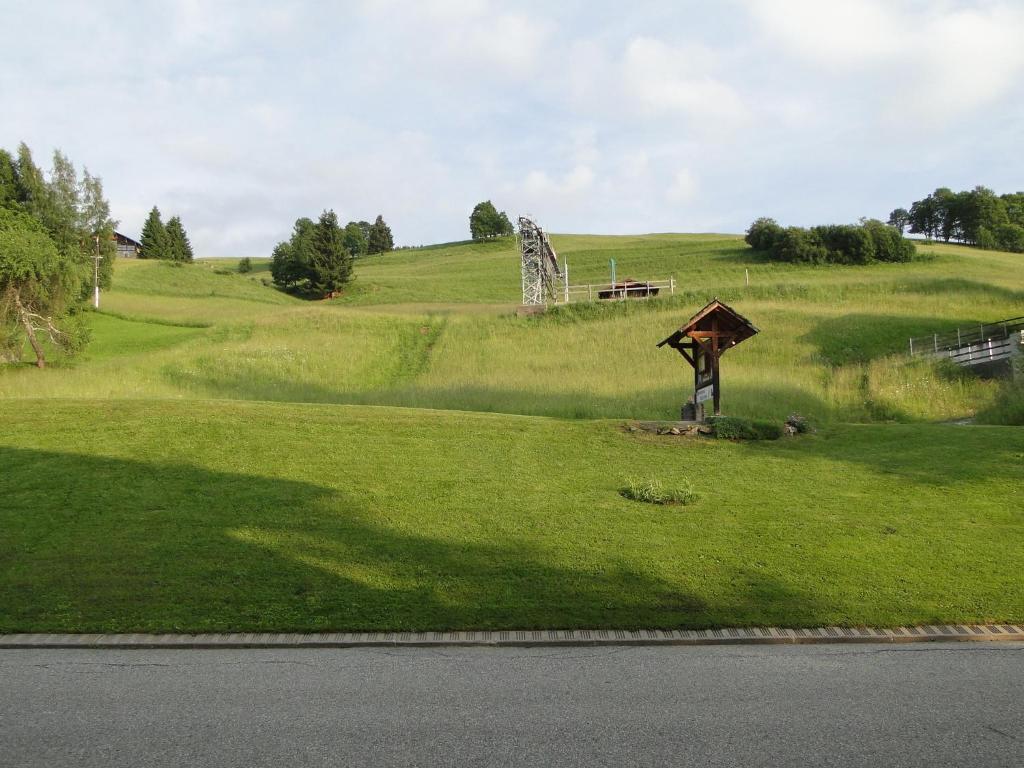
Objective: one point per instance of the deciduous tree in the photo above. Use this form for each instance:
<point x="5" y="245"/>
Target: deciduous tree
<point x="38" y="285"/>
<point x="486" y="222"/>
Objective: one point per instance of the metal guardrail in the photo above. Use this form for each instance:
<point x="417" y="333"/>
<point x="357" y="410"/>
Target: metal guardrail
<point x="991" y="351"/>
<point x="950" y="343"/>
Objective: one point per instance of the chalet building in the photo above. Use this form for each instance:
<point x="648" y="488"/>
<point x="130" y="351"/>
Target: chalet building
<point x="126" y="247"/>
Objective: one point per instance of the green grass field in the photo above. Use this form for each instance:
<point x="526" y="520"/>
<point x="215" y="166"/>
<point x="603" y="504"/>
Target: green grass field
<point x="413" y="455"/>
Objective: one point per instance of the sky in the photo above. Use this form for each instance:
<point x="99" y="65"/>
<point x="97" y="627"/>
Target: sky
<point x="591" y="116"/>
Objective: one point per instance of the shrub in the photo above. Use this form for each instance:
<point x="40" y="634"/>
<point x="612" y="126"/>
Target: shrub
<point x="653" y="491"/>
<point x="1011" y="238"/>
<point x="799" y="246"/>
<point x="799" y="423"/>
<point x="245" y="265"/>
<point x="762" y="234"/>
<point x="863" y="243"/>
<point x="734" y="428"/>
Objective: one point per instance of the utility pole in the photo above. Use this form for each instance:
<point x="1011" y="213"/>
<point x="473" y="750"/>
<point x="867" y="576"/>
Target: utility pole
<point x="96" y="275"/>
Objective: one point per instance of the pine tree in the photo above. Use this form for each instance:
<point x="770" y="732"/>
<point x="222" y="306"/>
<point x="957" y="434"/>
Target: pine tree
<point x="154" y="237"/>
<point x="379" y="239"/>
<point x="178" y="246"/>
<point x="330" y="263"/>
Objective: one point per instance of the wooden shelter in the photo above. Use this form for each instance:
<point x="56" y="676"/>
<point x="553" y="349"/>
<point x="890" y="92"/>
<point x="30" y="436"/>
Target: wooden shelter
<point x="707" y="336"/>
<point x="126" y="247"/>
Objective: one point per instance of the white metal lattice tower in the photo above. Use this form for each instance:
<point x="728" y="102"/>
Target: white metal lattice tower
<point x="540" y="264"/>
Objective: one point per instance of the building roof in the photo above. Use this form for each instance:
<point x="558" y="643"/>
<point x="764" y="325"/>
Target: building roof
<point x="715" y="319"/>
<point x="125" y="239"/>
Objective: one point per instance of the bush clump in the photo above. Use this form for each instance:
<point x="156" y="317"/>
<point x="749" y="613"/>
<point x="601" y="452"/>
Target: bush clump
<point x="245" y="265"/>
<point x="652" y="491"/>
<point x="798" y="425"/>
<point x="864" y="243"/>
<point x="735" y="428"/>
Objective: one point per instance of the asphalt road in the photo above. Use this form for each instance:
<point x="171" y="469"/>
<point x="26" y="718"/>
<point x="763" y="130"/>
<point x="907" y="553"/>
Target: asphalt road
<point x="845" y="705"/>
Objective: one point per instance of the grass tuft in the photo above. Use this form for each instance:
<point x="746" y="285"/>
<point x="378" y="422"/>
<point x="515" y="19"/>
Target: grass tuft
<point x="653" y="491"/>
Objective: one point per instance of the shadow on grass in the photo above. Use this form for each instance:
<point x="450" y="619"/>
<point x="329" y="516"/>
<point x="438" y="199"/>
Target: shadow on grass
<point x="95" y="544"/>
<point x="861" y="338"/>
<point x="934" y="454"/>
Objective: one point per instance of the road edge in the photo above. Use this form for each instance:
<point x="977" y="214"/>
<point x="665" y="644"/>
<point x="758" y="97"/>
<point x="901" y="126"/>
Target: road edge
<point x="512" y="638"/>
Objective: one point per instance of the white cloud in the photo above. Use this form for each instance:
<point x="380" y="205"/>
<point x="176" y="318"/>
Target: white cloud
<point x="845" y="34"/>
<point x="936" y="61"/>
<point x="684" y="187"/>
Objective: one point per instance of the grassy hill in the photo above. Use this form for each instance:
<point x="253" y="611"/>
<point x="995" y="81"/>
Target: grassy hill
<point x="348" y="485"/>
<point x="433" y="328"/>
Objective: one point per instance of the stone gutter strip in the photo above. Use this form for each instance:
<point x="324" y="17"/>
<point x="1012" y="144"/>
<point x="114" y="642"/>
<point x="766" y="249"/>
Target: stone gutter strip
<point x="537" y="637"/>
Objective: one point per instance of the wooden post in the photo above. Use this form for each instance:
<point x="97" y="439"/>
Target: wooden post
<point x="714" y="368"/>
<point x="746" y="277"/>
<point x="566" y="263"/>
<point x="590" y="292"/>
<point x="672" y="285"/>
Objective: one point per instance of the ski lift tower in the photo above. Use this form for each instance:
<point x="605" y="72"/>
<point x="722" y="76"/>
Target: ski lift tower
<point x="540" y="264"/>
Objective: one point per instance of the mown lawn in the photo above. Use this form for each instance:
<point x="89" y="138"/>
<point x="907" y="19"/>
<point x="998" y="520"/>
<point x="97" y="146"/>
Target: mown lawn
<point x="204" y="515"/>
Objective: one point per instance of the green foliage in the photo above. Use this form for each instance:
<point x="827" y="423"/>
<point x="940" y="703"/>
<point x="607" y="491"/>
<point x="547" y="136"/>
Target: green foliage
<point x="762" y="234"/>
<point x="356" y="239"/>
<point x="244" y="265"/>
<point x="155" y="242"/>
<point x="38" y="287"/>
<point x="487" y="222"/>
<point x="330" y="262"/>
<point x="8" y="180"/>
<point x="863" y="243"/>
<point x="899" y="219"/>
<point x="1008" y="406"/>
<point x="178" y="246"/>
<point x="653" y="491"/>
<point x="290" y="262"/>
<point x="168" y="242"/>
<point x="800" y="424"/>
<point x="735" y="428"/>
<point x="379" y="239"/>
<point x="73" y="211"/>
<point x="315" y="261"/>
<point x="976" y="217"/>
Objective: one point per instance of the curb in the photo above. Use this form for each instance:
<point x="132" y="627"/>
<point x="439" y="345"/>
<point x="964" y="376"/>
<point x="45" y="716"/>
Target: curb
<point x="514" y="638"/>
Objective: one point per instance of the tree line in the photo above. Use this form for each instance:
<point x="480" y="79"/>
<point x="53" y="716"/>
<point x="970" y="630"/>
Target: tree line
<point x="56" y="237"/>
<point x="869" y="241"/>
<point x="316" y="261"/>
<point x="976" y="217"/>
<point x="160" y="241"/>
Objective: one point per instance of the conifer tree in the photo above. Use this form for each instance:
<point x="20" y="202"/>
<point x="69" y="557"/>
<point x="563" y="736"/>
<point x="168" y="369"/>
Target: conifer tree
<point x="379" y="239"/>
<point x="154" y="238"/>
<point x="178" y="246"/>
<point x="330" y="263"/>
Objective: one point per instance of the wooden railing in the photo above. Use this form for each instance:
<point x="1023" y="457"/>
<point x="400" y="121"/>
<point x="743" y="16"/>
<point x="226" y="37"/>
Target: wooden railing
<point x="635" y="289"/>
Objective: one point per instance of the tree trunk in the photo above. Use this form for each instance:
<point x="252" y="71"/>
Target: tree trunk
<point x="26" y="322"/>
